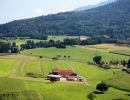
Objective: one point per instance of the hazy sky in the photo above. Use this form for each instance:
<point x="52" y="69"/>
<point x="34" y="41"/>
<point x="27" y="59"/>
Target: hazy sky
<point x="19" y="9"/>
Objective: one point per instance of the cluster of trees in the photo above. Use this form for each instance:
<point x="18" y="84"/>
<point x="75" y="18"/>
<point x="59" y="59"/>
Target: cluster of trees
<point x="51" y="43"/>
<point x="102" y="87"/>
<point x="42" y="44"/>
<point x="98" y="60"/>
<point x="39" y="36"/>
<point x="62" y="44"/>
<point x="112" y="20"/>
<point x="59" y="56"/>
<point x="9" y="47"/>
<point x="31" y="36"/>
<point x="98" y="40"/>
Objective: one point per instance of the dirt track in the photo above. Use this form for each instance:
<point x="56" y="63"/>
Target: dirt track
<point x="21" y="57"/>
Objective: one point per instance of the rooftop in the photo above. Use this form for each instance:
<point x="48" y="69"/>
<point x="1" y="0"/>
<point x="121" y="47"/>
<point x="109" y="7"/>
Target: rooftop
<point x="65" y="72"/>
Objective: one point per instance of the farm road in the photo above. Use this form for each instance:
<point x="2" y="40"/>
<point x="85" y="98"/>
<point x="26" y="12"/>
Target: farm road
<point x="72" y="68"/>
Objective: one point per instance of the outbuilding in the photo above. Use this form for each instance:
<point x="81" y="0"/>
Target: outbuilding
<point x="53" y="76"/>
<point x="63" y="72"/>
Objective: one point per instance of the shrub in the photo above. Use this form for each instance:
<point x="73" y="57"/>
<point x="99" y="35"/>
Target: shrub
<point x="34" y="75"/>
<point x="40" y="56"/>
<point x="54" y="58"/>
<point x="128" y="70"/>
<point x="106" y="66"/>
<point x="102" y="87"/>
<point x="91" y="96"/>
<point x="97" y="59"/>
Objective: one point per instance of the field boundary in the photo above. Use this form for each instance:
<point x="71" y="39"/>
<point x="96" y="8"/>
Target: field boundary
<point x="119" y="53"/>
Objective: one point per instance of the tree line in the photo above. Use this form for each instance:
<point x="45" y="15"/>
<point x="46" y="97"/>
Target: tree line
<point x="31" y="36"/>
<point x="9" y="47"/>
<point x="67" y="41"/>
<point x="30" y="44"/>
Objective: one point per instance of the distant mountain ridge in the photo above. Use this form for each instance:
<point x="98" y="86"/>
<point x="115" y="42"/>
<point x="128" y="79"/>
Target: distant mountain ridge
<point x="112" y="20"/>
<point x="94" y="6"/>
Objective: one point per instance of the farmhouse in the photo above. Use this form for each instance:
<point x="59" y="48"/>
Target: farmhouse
<point x="64" y="75"/>
<point x="63" y="72"/>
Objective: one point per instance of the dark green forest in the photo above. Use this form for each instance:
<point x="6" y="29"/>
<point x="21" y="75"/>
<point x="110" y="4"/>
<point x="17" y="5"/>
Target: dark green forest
<point x="112" y="20"/>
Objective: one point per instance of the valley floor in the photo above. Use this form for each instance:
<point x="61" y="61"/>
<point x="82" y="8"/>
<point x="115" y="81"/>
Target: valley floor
<point x="13" y="79"/>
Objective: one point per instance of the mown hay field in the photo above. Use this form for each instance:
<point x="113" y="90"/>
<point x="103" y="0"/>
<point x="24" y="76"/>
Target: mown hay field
<point x="16" y="80"/>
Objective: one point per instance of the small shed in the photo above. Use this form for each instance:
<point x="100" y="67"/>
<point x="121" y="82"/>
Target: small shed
<point x="53" y="76"/>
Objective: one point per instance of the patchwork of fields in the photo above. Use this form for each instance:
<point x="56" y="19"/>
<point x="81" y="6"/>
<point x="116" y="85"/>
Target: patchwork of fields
<point x="14" y="79"/>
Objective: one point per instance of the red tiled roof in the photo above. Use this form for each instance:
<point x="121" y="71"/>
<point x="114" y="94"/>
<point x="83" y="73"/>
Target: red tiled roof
<point x="63" y="72"/>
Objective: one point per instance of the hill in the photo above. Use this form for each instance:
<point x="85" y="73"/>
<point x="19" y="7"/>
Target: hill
<point x="112" y="20"/>
<point x="94" y="6"/>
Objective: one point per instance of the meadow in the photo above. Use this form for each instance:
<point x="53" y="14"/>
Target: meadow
<point x="75" y="53"/>
<point x="13" y="71"/>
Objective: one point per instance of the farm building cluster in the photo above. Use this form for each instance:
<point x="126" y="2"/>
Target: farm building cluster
<point x="64" y="75"/>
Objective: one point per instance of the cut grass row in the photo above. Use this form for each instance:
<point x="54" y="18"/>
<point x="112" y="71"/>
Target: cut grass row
<point x="67" y="91"/>
<point x="13" y="89"/>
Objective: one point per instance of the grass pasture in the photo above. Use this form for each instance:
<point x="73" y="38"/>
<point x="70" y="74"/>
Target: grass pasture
<point x="29" y="88"/>
<point x="75" y="53"/>
<point x="120" y="80"/>
<point x="122" y="52"/>
<point x="13" y="89"/>
<point x="6" y="66"/>
<point x="31" y="66"/>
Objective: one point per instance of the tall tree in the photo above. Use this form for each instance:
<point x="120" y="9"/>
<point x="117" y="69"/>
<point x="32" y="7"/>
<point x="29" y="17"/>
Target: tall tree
<point x="97" y="59"/>
<point x="128" y="64"/>
<point x="102" y="87"/>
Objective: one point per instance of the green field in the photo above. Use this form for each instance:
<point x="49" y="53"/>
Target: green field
<point x="120" y="81"/>
<point x="122" y="52"/>
<point x="76" y="53"/>
<point x="14" y="80"/>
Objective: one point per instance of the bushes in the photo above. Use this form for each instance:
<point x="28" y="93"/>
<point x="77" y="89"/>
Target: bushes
<point x="106" y="66"/>
<point x="40" y="56"/>
<point x="102" y="87"/>
<point x="128" y="70"/>
<point x="34" y="75"/>
<point x="91" y="96"/>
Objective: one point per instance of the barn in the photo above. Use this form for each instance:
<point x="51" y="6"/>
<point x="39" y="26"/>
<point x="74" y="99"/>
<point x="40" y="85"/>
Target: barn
<point x="63" y="72"/>
<point x="64" y="75"/>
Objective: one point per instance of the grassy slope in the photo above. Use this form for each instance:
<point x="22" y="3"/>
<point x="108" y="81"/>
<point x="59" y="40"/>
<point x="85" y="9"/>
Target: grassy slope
<point x="31" y="66"/>
<point x="11" y="85"/>
<point x="14" y="89"/>
<point x="120" y="80"/>
<point x="75" y="53"/>
<point x="92" y="74"/>
<point x="6" y="66"/>
<point x="70" y="91"/>
<point x="115" y="49"/>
